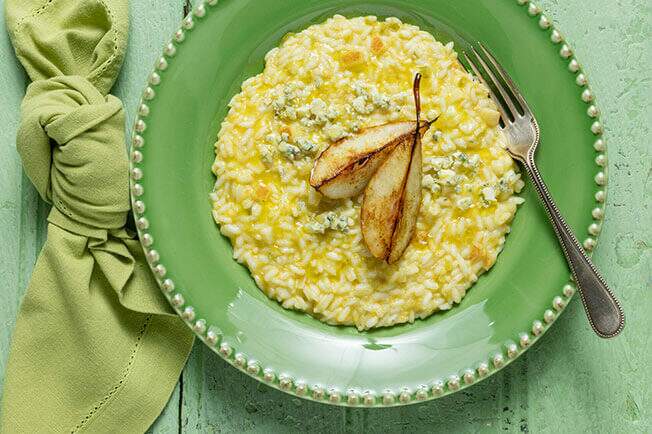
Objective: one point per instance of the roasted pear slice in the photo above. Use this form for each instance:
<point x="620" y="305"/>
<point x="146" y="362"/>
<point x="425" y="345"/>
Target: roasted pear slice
<point x="393" y="196"/>
<point x="409" y="211"/>
<point x="344" y="168"/>
<point x="382" y="204"/>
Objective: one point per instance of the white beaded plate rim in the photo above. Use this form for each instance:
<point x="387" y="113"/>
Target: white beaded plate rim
<point x="456" y="381"/>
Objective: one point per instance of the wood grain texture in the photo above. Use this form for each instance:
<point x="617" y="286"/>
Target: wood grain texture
<point x="570" y="381"/>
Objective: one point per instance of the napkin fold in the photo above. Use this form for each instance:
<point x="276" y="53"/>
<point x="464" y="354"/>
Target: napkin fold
<point x="96" y="346"/>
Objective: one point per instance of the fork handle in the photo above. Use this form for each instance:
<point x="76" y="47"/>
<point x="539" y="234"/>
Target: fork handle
<point x="603" y="310"/>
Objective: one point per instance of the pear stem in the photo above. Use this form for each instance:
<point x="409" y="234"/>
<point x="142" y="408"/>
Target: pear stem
<point x="417" y="97"/>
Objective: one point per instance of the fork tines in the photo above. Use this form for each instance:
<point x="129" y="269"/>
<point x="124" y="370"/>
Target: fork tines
<point x="511" y="103"/>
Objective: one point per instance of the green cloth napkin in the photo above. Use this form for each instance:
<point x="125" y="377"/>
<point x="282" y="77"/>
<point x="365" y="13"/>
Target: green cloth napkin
<point x="96" y="347"/>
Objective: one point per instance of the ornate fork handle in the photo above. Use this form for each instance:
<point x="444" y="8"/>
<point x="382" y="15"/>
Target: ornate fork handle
<point x="605" y="314"/>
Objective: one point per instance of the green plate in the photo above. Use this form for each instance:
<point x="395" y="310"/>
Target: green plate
<point x="219" y="45"/>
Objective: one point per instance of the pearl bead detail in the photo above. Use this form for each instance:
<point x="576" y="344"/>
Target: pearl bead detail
<point x="422" y="393"/>
<point x="137" y="190"/>
<point x="405" y="397"/>
<point x="300" y="389"/>
<point x="285" y="383"/>
<point x="498" y="360"/>
<point x="594" y="229"/>
<point x="168" y="285"/>
<point x="225" y="350"/>
<point x="533" y="9"/>
<point x="240" y="360"/>
<point x="160" y="270"/>
<point x="600" y="178"/>
<point x="138" y="141"/>
<point x="454" y="382"/>
<point x="599" y="145"/>
<point x="136" y="174"/>
<point x="318" y="392"/>
<point x="581" y="80"/>
<point x="592" y="111"/>
<point x="333" y="396"/>
<point x="268" y="375"/>
<point x="136" y="156"/>
<point x="568" y="290"/>
<point x="143" y="110"/>
<point x="149" y="94"/>
<point x="211" y="337"/>
<point x="573" y="66"/>
<point x="153" y="256"/>
<point x="388" y="398"/>
<point x="600" y="196"/>
<point x="544" y="22"/>
<point x="483" y="369"/>
<point x="142" y="223"/>
<point x="587" y="95"/>
<point x="188" y="313"/>
<point x="369" y="399"/>
<point x="188" y="23"/>
<point x="555" y="37"/>
<point x="147" y="240"/>
<point x="139" y="206"/>
<point x="170" y="50"/>
<point x="558" y="303"/>
<point x="597" y="213"/>
<point x="200" y="10"/>
<point x="596" y="128"/>
<point x="140" y="125"/>
<point x="179" y="36"/>
<point x="162" y="64"/>
<point x="469" y="377"/>
<point x="565" y="51"/>
<point x="352" y="397"/>
<point x="548" y="316"/>
<point x="589" y="244"/>
<point x="177" y="300"/>
<point x="253" y="369"/>
<point x="537" y="328"/>
<point x="522" y="2"/>
<point x="437" y="388"/>
<point x="601" y="160"/>
<point x="524" y="340"/>
<point x="512" y="350"/>
<point x="154" y="79"/>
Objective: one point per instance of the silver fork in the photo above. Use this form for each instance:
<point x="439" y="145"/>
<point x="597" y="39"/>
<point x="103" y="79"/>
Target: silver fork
<point x="522" y="132"/>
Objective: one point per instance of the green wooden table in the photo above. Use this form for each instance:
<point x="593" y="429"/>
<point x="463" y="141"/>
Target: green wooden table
<point x="571" y="381"/>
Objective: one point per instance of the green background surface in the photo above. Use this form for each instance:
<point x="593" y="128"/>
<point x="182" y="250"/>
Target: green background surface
<point x="569" y="382"/>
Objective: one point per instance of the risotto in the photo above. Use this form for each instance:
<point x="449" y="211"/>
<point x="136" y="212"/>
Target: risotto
<point x="306" y="251"/>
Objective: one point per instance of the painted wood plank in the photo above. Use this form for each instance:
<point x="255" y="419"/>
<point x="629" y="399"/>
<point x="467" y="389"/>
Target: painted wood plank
<point x="152" y="22"/>
<point x="19" y="214"/>
<point x="578" y="381"/>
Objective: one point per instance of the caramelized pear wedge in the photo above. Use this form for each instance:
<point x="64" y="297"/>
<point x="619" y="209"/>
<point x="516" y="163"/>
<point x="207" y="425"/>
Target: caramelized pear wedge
<point x="344" y="168"/>
<point x="393" y="196"/>
<point x="382" y="204"/>
<point x="409" y="211"/>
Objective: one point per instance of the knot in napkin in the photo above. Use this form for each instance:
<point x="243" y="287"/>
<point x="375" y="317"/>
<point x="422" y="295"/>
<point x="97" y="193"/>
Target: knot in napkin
<point x="71" y="142"/>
